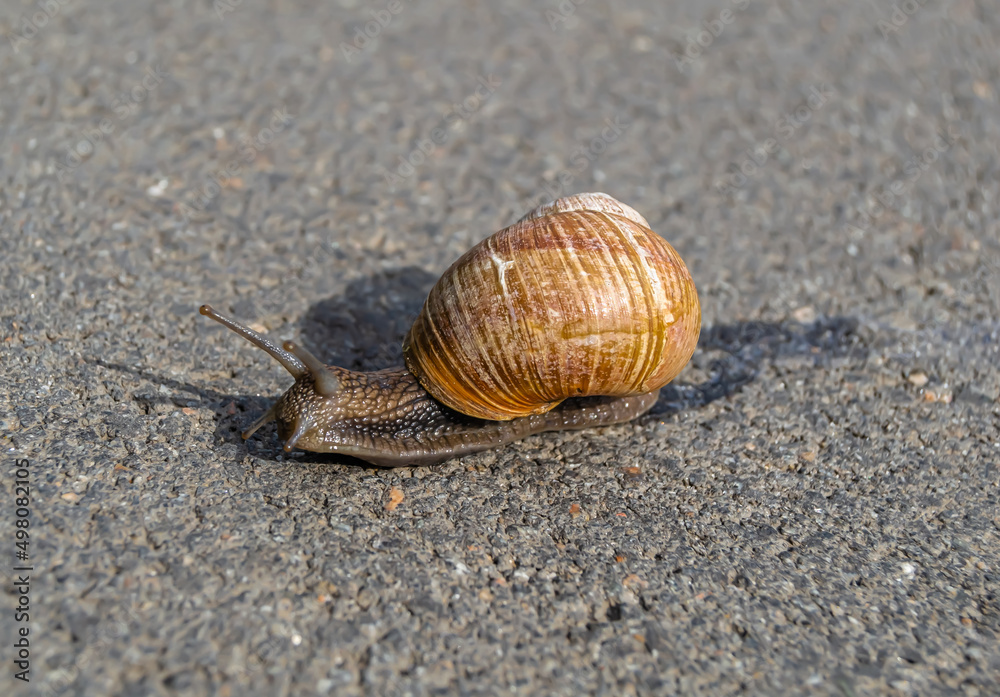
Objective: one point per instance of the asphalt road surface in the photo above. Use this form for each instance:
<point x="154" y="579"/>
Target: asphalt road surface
<point x="812" y="508"/>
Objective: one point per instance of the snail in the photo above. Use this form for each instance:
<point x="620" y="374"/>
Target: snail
<point x="575" y="316"/>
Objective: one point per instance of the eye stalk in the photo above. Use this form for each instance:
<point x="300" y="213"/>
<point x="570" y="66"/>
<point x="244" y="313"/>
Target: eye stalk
<point x="288" y="361"/>
<point x="325" y="382"/>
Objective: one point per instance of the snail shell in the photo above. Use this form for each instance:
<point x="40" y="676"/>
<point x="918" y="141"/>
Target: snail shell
<point x="577" y="298"/>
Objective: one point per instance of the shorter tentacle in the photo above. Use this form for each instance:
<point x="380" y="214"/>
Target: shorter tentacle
<point x="266" y="418"/>
<point x="325" y="381"/>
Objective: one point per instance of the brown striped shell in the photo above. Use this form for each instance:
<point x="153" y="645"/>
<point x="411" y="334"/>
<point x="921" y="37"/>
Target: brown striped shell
<point x="579" y="297"/>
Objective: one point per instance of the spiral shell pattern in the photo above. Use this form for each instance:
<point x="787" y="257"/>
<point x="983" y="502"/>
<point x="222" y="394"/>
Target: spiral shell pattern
<point x="577" y="298"/>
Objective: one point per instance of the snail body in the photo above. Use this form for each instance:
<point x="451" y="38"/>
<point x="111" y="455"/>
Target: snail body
<point x="573" y="317"/>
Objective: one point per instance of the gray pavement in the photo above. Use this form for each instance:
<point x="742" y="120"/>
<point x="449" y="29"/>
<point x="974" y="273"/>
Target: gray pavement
<point x="812" y="508"/>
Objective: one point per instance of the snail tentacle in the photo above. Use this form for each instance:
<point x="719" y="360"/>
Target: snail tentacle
<point x="288" y="361"/>
<point x="267" y="417"/>
<point x="325" y="381"/>
<point x="302" y="426"/>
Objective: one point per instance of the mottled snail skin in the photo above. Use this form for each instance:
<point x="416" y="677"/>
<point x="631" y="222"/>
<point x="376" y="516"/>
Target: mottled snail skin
<point x="403" y="425"/>
<point x="584" y="272"/>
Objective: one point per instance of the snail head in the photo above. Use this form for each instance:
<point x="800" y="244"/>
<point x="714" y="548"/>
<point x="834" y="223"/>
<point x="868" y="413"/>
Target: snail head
<point x="312" y="400"/>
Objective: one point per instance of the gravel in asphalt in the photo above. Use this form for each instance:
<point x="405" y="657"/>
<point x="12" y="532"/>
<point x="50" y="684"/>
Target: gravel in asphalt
<point x="812" y="508"/>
